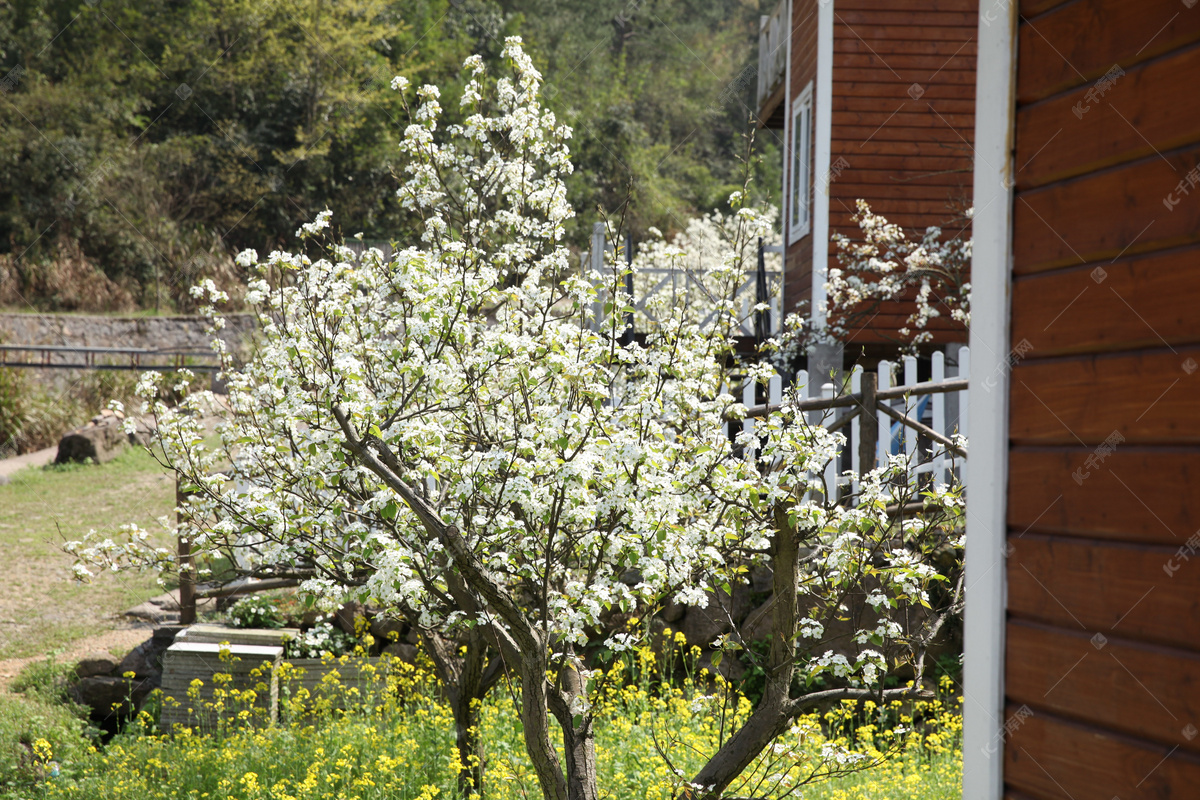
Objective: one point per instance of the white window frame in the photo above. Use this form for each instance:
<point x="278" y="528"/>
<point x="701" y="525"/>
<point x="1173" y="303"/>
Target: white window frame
<point x="800" y="185"/>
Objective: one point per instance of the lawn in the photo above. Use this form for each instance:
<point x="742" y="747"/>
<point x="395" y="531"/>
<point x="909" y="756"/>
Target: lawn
<point x="42" y="607"/>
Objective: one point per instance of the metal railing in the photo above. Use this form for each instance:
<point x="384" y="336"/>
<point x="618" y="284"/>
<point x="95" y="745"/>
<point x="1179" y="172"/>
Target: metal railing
<point x="39" y="356"/>
<point x="760" y="286"/>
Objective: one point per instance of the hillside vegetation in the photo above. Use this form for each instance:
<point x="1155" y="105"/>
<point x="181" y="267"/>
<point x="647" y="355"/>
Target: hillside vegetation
<point x="142" y="144"/>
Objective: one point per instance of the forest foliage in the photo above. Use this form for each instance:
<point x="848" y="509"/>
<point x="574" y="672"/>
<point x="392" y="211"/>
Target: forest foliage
<point x="143" y="144"/>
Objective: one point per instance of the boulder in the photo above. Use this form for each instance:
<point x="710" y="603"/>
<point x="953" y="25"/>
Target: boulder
<point x="759" y="622"/>
<point x="702" y="625"/>
<point x="100" y="440"/>
<point x="145" y="660"/>
<point x="387" y="629"/>
<point x="730" y="668"/>
<point x="345" y="616"/>
<point x="143" y="432"/>
<point x="403" y="651"/>
<point x="96" y="663"/>
<point x="673" y="612"/>
<point x="112" y="698"/>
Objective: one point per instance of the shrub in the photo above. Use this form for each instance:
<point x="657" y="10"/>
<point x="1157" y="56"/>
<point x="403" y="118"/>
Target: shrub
<point x="255" y="612"/>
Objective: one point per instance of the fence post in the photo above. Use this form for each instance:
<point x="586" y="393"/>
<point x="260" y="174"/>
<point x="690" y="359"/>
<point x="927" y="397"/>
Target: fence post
<point x="939" y="417"/>
<point x="868" y="440"/>
<point x="597" y="268"/>
<point x="831" y="469"/>
<point x="911" y="409"/>
<point x="184" y="562"/>
<point x="761" y="321"/>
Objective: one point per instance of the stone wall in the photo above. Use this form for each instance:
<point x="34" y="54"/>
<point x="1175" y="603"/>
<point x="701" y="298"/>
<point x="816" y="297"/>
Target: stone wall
<point x="153" y="333"/>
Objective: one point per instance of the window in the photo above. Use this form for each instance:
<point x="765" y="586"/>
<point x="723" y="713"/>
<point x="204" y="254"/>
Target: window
<point x="799" y="211"/>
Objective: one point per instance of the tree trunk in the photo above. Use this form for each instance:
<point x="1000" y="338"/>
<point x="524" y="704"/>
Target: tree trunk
<point x="580" y="752"/>
<point x="579" y="741"/>
<point x="470" y="745"/>
<point x="774" y="712"/>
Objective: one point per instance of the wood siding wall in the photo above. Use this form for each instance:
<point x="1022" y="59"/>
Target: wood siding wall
<point x="903" y="123"/>
<point x="797" y="282"/>
<point x="1104" y="557"/>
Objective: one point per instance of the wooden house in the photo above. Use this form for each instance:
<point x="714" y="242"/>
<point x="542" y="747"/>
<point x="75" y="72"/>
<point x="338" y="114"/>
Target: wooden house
<point x="871" y="100"/>
<point x="1083" y="557"/>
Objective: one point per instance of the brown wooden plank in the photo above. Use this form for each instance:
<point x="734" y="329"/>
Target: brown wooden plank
<point x="1145" y="691"/>
<point x="897" y="89"/>
<point x="872" y="32"/>
<point x="918" y="116"/>
<point x="964" y="61"/>
<point x="1136" y="494"/>
<point x="1147" y="397"/>
<point x="959" y="150"/>
<point x="1102" y="216"/>
<point x="905" y="77"/>
<point x="907" y="5"/>
<point x="883" y="188"/>
<point x="964" y="18"/>
<point x="930" y="136"/>
<point x="1030" y="8"/>
<point x="854" y="103"/>
<point x="1142" y="302"/>
<point x="896" y="162"/>
<point x="1079" y="42"/>
<point x="945" y="49"/>
<point x="1047" y="756"/>
<point x="1149" y="593"/>
<point x="896" y="206"/>
<point x="1140" y="115"/>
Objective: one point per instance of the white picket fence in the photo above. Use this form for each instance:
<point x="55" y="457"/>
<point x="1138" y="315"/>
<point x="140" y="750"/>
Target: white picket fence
<point x="942" y="412"/>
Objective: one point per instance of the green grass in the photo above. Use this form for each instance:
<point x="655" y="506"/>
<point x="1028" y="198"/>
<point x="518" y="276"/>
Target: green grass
<point x="42" y="608"/>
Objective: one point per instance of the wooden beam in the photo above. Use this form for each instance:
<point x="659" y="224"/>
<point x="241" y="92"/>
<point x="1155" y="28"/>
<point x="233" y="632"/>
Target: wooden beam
<point x="922" y="428"/>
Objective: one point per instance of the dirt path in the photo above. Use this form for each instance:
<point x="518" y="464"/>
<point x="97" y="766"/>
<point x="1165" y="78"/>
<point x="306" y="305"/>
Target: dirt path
<point x="114" y="642"/>
<point x="35" y="459"/>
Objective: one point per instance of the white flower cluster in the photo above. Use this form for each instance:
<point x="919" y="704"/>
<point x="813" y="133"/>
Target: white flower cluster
<point x="885" y="266"/>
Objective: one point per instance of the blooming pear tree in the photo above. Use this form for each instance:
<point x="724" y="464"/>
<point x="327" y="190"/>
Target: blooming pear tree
<point x="933" y="273"/>
<point x="453" y="433"/>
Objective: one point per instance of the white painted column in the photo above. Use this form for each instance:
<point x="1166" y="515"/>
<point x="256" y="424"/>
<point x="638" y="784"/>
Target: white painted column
<point x="987" y="422"/>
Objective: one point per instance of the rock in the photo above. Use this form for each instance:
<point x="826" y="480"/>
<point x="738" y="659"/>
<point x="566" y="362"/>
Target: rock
<point x="631" y="577"/>
<point x="673" y="612"/>
<point x="730" y="668"/>
<point x="762" y="580"/>
<point x="387" y="630"/>
<point x="4" y="480"/>
<point x="96" y="663"/>
<point x="345" y="616"/>
<point x="100" y="440"/>
<point x="164" y="608"/>
<point x="702" y="625"/>
<point x="145" y="660"/>
<point x="143" y="433"/>
<point x="403" y="651"/>
<point x="112" y="698"/>
<point x="759" y="622"/>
